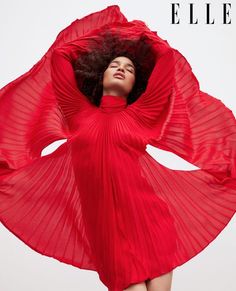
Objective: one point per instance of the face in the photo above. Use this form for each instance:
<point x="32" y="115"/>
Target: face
<point x="119" y="85"/>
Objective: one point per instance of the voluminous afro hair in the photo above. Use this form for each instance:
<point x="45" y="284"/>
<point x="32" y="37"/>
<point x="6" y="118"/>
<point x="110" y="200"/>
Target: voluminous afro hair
<point x="90" y="66"/>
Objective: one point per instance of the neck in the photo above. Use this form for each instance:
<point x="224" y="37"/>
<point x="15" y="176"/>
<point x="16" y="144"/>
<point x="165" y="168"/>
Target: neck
<point x="113" y="102"/>
<point x="112" y="93"/>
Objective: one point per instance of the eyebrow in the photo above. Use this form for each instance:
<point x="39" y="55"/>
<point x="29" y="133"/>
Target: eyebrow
<point x="118" y="62"/>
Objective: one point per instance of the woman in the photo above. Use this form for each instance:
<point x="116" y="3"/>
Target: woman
<point x="100" y="201"/>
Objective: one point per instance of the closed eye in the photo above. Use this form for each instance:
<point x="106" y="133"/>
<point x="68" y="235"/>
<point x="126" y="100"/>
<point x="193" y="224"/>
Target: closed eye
<point x="130" y="70"/>
<point x="115" y="64"/>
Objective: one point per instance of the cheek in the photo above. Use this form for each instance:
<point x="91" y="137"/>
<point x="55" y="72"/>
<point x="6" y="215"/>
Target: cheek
<point x="104" y="80"/>
<point x="106" y="76"/>
<point x="131" y="80"/>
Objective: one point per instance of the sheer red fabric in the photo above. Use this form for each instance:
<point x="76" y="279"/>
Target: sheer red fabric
<point x="100" y="201"/>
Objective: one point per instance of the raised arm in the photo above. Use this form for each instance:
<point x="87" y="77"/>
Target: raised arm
<point x="66" y="47"/>
<point x="180" y="118"/>
<point x="151" y="105"/>
<point x="68" y="95"/>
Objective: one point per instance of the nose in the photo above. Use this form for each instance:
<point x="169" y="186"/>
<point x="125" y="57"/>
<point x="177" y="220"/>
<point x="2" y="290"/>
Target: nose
<point x="120" y="68"/>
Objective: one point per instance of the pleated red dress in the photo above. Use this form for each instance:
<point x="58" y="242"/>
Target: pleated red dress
<point x="100" y="201"/>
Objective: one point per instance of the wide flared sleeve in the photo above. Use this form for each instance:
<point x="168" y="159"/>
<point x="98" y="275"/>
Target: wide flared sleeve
<point x="31" y="107"/>
<point x="175" y="115"/>
<point x="178" y="117"/>
<point x="40" y="201"/>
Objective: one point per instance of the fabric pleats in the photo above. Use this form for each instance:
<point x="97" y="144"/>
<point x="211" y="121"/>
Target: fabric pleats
<point x="100" y="201"/>
<point x="40" y="205"/>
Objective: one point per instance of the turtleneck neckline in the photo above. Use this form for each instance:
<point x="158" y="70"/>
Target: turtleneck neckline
<point x="111" y="101"/>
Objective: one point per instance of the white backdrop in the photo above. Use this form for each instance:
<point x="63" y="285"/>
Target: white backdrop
<point x="27" y="29"/>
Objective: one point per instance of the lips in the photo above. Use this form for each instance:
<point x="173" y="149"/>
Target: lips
<point x="119" y="75"/>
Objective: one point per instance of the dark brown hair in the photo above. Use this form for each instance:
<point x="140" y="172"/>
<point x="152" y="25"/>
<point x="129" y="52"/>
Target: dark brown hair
<point x="90" y="66"/>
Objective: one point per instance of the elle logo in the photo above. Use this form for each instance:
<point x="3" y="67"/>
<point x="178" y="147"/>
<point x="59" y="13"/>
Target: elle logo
<point x="209" y="19"/>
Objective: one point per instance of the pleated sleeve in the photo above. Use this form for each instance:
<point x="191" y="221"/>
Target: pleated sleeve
<point x="180" y="118"/>
<point x="70" y="99"/>
<point x="68" y="96"/>
<point x="34" y="108"/>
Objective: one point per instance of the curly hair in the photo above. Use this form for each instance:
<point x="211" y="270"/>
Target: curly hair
<point x="90" y="66"/>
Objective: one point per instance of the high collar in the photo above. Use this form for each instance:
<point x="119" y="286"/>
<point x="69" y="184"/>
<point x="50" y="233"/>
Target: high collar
<point x="110" y="102"/>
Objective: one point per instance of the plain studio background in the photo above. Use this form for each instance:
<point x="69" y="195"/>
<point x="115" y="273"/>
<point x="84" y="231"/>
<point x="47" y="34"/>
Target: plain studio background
<point x="27" y="29"/>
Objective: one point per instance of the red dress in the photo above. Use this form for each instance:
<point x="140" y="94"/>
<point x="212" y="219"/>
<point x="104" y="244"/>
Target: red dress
<point x="100" y="201"/>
